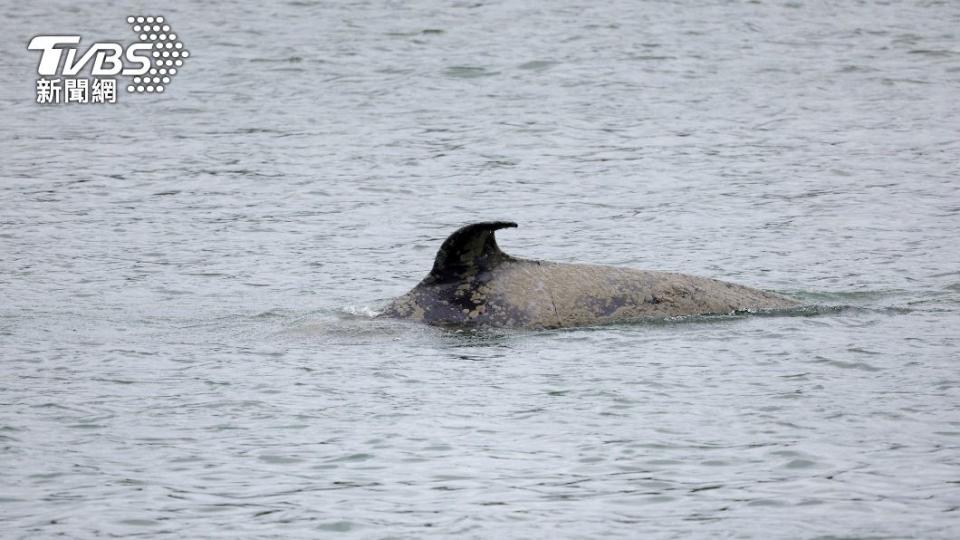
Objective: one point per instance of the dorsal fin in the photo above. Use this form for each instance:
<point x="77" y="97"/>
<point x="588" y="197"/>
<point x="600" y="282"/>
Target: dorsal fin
<point x="468" y="251"/>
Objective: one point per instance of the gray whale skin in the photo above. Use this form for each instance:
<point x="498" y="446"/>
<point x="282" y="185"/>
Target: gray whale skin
<point x="475" y="284"/>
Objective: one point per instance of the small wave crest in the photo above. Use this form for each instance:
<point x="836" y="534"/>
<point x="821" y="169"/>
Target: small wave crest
<point x="354" y="311"/>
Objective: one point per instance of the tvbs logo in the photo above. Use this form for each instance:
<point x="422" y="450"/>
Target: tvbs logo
<point x="152" y="62"/>
<point x="106" y="57"/>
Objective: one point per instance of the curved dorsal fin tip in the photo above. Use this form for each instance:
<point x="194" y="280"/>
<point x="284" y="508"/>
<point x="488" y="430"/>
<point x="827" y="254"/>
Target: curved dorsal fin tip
<point x="493" y="225"/>
<point x="469" y="250"/>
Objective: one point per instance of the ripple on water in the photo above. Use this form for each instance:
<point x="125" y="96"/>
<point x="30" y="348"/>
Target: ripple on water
<point x="189" y="340"/>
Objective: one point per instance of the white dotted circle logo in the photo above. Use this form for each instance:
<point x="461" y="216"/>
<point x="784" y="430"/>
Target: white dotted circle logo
<point x="167" y="52"/>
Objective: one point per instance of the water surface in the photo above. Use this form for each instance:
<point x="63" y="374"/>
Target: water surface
<point x="187" y="280"/>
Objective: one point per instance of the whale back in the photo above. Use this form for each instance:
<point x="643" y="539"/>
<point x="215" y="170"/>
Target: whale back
<point x="474" y="283"/>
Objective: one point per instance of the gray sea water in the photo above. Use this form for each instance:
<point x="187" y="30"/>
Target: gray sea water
<point x="187" y="280"/>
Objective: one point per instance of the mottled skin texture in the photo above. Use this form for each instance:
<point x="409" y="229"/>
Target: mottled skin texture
<point x="473" y="283"/>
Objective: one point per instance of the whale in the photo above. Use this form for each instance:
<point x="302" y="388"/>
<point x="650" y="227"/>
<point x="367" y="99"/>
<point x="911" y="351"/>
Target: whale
<point x="473" y="283"/>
